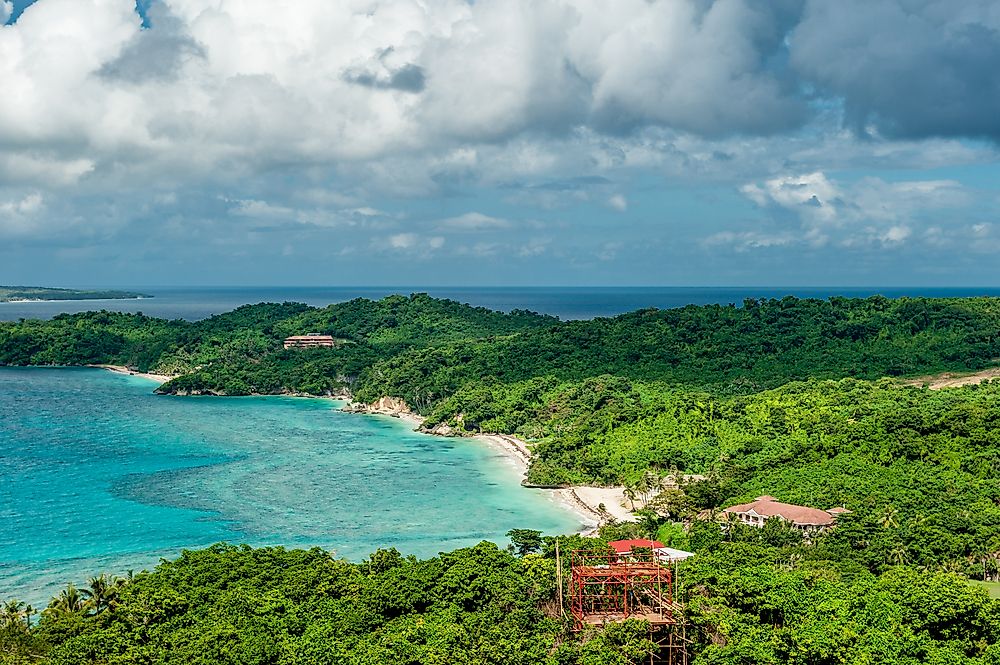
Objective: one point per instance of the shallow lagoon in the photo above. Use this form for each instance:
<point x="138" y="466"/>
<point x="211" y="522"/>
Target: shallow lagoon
<point x="98" y="474"/>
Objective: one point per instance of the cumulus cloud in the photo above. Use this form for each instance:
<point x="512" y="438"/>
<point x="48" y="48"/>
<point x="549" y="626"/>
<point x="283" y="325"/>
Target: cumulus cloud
<point x="241" y="84"/>
<point x="903" y="68"/>
<point x="849" y="214"/>
<point x="6" y="10"/>
<point x="412" y="243"/>
<point x="19" y="217"/>
<point x="473" y="221"/>
<point x="618" y="202"/>
<point x="311" y="115"/>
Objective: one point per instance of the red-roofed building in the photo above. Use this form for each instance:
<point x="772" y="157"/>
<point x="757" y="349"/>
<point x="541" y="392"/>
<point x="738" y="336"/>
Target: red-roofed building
<point x="662" y="553"/>
<point x="626" y="546"/>
<point x="807" y="519"/>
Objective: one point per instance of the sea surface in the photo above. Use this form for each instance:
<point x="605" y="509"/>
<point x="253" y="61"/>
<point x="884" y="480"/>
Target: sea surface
<point x="193" y="303"/>
<point x="99" y="474"/>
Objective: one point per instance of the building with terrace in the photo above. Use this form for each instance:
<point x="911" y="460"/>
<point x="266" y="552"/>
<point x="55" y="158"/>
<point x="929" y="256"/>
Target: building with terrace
<point x="310" y="341"/>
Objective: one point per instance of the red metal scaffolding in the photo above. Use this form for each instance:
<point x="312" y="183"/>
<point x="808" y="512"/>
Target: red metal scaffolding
<point x="607" y="587"/>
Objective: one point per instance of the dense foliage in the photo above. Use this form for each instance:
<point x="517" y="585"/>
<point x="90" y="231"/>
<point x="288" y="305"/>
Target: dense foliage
<point x="781" y="397"/>
<point x="424" y="349"/>
<point x="728" y="349"/>
<point x="925" y="464"/>
<point x="749" y="601"/>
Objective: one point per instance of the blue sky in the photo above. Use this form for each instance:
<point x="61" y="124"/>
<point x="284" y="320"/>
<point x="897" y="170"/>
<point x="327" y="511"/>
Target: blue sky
<point x="550" y="142"/>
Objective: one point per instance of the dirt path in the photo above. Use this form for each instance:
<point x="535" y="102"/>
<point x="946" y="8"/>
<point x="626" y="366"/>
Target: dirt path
<point x="954" y="379"/>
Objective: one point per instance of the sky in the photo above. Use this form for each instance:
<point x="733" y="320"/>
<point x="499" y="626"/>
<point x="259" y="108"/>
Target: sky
<point x="500" y="142"/>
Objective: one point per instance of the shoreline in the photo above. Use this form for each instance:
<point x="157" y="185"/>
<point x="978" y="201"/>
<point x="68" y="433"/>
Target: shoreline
<point x="585" y="501"/>
<point x="21" y="301"/>
<point x="121" y="369"/>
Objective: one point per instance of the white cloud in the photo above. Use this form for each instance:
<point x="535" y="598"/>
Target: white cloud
<point x="865" y="212"/>
<point x="19" y="217"/>
<point x="264" y="211"/>
<point x="811" y="195"/>
<point x="534" y="247"/>
<point x="6" y="10"/>
<point x="472" y="221"/>
<point x="402" y="240"/>
<point x="412" y="243"/>
<point x="896" y="234"/>
<point x="618" y="202"/>
<point x="311" y="114"/>
<point x="748" y="240"/>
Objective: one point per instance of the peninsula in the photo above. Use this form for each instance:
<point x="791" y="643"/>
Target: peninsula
<point x="40" y="293"/>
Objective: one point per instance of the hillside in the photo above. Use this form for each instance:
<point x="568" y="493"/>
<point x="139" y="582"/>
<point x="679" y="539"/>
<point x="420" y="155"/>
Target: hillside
<point x="482" y="605"/>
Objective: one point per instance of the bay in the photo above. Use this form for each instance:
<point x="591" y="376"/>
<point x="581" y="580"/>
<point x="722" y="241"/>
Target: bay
<point x="99" y="474"/>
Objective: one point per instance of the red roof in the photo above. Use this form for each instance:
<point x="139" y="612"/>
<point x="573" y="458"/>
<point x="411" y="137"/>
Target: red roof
<point x="626" y="546"/>
<point x="767" y="506"/>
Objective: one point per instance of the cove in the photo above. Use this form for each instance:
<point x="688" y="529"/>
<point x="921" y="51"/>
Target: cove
<point x="99" y="474"/>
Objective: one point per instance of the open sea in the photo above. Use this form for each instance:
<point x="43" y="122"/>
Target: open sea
<point x="99" y="474"/>
<point x="193" y="303"/>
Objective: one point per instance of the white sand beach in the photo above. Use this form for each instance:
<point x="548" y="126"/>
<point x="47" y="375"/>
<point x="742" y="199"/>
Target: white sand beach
<point x="595" y="505"/>
<point x="121" y="369"/>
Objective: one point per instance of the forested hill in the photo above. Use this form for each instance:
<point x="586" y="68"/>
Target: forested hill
<point x="761" y="345"/>
<point x="425" y="349"/>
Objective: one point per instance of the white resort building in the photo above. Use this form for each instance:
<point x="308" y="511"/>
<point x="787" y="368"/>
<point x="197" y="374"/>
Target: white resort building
<point x="310" y="341"/>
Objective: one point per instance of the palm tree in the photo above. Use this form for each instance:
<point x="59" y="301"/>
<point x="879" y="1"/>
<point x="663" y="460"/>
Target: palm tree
<point x="630" y="493"/>
<point x="889" y="518"/>
<point x="69" y="601"/>
<point x="101" y="592"/>
<point x="898" y="554"/>
<point x="16" y="614"/>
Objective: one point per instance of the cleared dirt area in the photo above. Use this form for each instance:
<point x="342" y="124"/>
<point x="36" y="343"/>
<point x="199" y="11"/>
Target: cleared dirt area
<point x="954" y="379"/>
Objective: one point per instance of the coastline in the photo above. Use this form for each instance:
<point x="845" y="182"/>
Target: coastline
<point x="594" y="505"/>
<point x="121" y="369"/>
<point x="586" y="501"/>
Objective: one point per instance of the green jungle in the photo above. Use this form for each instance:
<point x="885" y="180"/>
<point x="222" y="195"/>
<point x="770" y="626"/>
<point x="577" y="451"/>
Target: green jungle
<point x="816" y="402"/>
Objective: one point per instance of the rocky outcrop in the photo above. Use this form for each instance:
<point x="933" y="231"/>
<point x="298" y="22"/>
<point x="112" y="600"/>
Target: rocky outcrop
<point x="389" y="406"/>
<point x="441" y="429"/>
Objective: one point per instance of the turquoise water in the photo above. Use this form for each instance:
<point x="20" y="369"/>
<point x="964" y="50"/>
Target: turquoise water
<point x="98" y="474"/>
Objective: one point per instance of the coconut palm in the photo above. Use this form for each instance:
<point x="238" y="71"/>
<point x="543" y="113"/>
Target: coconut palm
<point x="69" y="601"/>
<point x="101" y="592"/>
<point x="889" y="517"/>
<point x="16" y="614"/>
<point x="898" y="554"/>
<point x="630" y="493"/>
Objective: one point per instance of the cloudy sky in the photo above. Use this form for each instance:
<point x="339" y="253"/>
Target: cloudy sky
<point x="507" y="142"/>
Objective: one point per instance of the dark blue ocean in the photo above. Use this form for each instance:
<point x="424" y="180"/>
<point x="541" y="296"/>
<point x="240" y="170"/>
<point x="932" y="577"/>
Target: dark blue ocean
<point x="194" y="303"/>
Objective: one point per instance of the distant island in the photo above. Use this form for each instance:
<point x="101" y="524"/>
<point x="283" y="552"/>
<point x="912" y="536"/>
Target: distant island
<point x="39" y="293"/>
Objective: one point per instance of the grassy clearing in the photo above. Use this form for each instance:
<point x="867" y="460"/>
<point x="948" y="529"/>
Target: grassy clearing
<point x="993" y="588"/>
